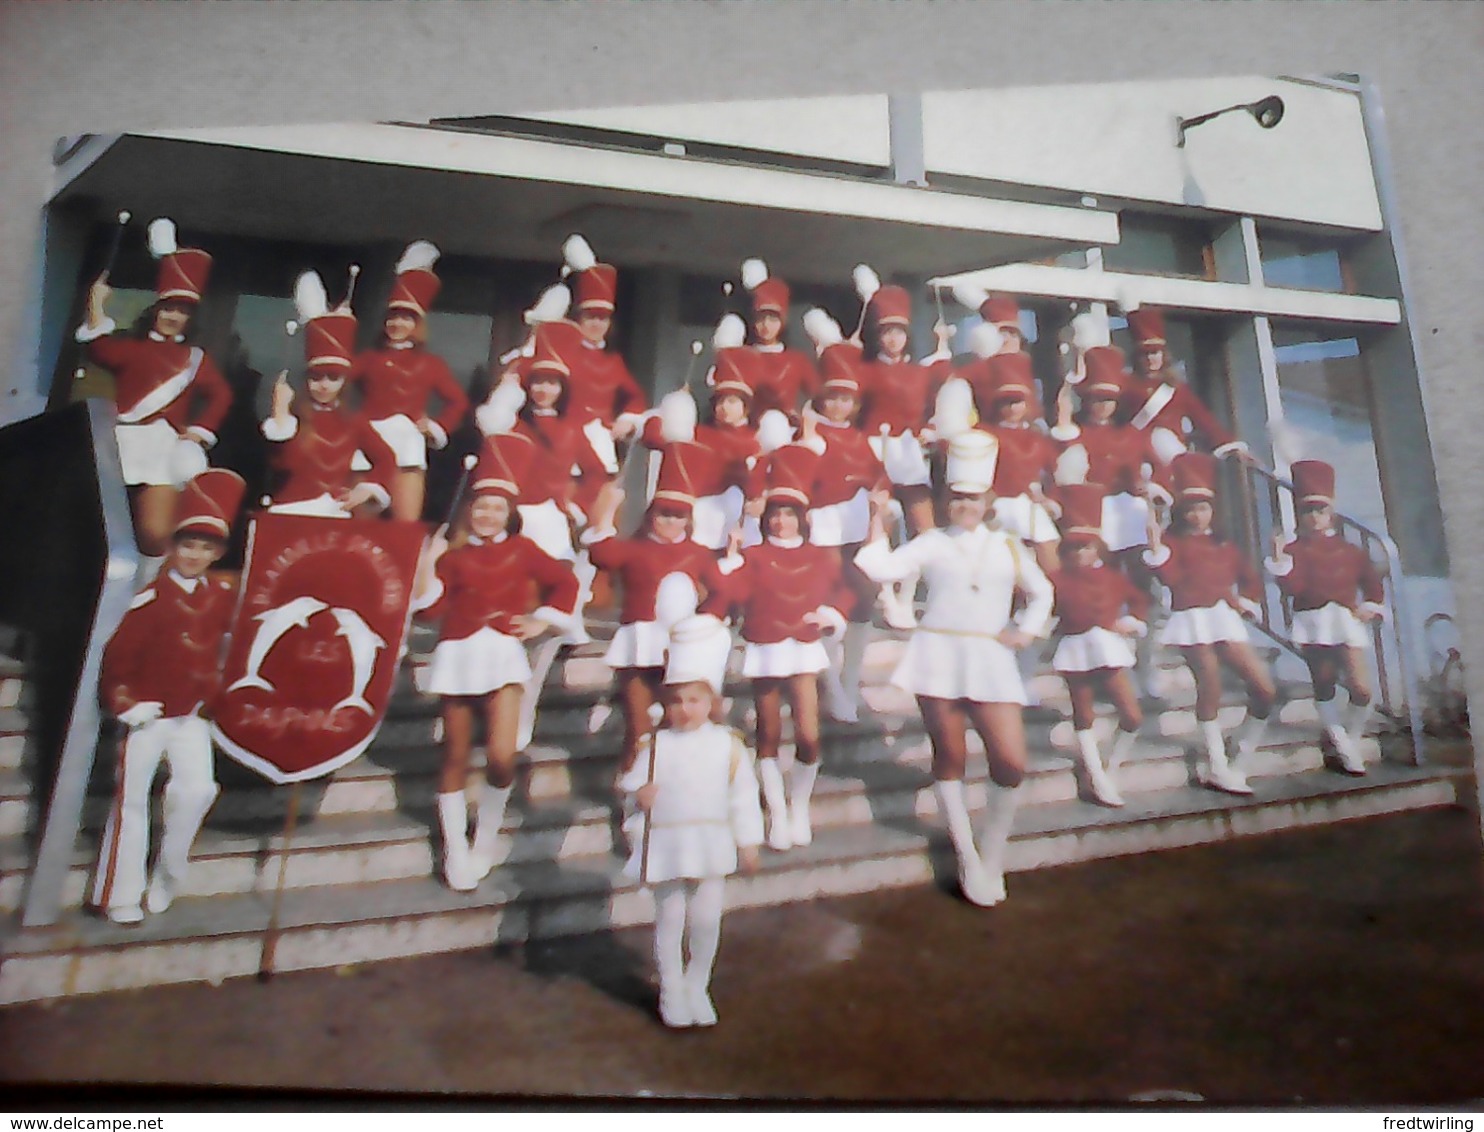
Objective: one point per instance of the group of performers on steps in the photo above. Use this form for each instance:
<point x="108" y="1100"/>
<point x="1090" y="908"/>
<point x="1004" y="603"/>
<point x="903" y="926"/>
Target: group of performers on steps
<point x="823" y="486"/>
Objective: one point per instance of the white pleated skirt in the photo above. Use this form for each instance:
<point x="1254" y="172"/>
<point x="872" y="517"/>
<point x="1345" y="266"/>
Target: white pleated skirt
<point x="408" y="445"/>
<point x="1096" y="648"/>
<point x="1205" y="625"/>
<point x="841" y="524"/>
<point x="1330" y="624"/>
<point x="784" y="658"/>
<point x="475" y="666"/>
<point x="956" y="667"/>
<point x="1125" y="521"/>
<point x="1023" y="516"/>
<point x="693" y="849"/>
<point x="145" y="451"/>
<point x="642" y="644"/>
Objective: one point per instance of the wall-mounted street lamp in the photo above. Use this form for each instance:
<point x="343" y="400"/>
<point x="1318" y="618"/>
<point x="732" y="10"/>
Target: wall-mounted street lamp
<point x="1268" y="112"/>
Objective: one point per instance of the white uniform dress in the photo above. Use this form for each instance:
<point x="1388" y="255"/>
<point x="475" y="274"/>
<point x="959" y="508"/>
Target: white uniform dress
<point x="971" y="579"/>
<point x="707" y="804"/>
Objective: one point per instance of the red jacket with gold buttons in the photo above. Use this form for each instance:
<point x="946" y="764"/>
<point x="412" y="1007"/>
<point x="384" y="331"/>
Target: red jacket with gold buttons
<point x="776" y="585"/>
<point x="1328" y="569"/>
<point x="641" y="562"/>
<point x="1095" y="597"/>
<point x="168" y="647"/>
<point x="1202" y="570"/>
<point x="403" y="382"/>
<point x="491" y="582"/>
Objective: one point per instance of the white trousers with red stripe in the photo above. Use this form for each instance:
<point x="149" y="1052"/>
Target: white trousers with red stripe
<point x="184" y="744"/>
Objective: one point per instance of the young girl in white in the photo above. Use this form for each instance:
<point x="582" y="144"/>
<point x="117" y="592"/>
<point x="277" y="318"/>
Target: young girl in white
<point x="694" y="787"/>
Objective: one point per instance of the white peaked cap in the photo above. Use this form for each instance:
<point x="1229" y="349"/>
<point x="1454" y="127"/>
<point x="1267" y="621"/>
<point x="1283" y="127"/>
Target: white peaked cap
<point x="754" y="271"/>
<point x="160" y="236"/>
<point x="678" y="415"/>
<point x="773" y="431"/>
<point x="675" y="599"/>
<point x="420" y="255"/>
<point x="731" y="332"/>
<point x="953" y="408"/>
<point x="985" y="340"/>
<point x="972" y="457"/>
<point x="822" y="329"/>
<point x="310" y="299"/>
<point x="1090" y="329"/>
<point x="577" y="254"/>
<point x="699" y="648"/>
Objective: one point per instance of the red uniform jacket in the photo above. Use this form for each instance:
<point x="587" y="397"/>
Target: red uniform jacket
<point x="1116" y="455"/>
<point x="1027" y="456"/>
<point x="601" y="386"/>
<point x="1329" y="569"/>
<point x="1202" y="570"/>
<point x="899" y="396"/>
<point x="1179" y="405"/>
<point x="848" y="464"/>
<point x="168" y="647"/>
<point x="1094" y="597"/>
<point x="641" y="562"/>
<point x="317" y="457"/>
<point x="785" y="379"/>
<point x="718" y="457"/>
<point x="776" y="585"/>
<point x="490" y="583"/>
<point x="404" y="381"/>
<point x="560" y="447"/>
<point x="140" y="366"/>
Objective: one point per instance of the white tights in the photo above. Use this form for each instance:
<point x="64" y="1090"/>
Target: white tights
<point x="684" y="904"/>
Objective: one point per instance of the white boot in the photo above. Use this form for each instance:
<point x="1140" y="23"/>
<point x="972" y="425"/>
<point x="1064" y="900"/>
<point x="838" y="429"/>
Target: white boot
<point x="1123" y="746"/>
<point x="669" y="954"/>
<point x="771" y="776"/>
<point x="1358" y="717"/>
<point x="1347" y="753"/>
<point x="183" y="815"/>
<point x="800" y="789"/>
<point x="994" y="836"/>
<point x="453" y="817"/>
<point x="1245" y="741"/>
<point x="1098" y="782"/>
<point x="971" y="879"/>
<point x="488" y="845"/>
<point x="1220" y="775"/>
<point x="845" y="692"/>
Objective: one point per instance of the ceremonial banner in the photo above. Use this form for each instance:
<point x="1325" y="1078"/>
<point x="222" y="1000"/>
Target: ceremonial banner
<point x="316" y="642"/>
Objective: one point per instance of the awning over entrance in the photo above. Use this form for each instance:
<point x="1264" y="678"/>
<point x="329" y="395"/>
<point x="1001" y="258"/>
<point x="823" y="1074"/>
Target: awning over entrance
<point x="510" y="197"/>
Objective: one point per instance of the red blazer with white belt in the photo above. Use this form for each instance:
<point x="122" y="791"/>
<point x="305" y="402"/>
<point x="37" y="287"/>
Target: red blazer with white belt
<point x="142" y="367"/>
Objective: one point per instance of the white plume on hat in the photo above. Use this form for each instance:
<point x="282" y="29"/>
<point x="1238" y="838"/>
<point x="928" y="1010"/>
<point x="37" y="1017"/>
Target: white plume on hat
<point x="1090" y="329"/>
<point x="822" y="329"/>
<point x="678" y="415"/>
<point x="577" y="254"/>
<point x="420" y="255"/>
<point x="773" y="431"/>
<point x="1071" y="466"/>
<point x="970" y="296"/>
<point x="953" y="408"/>
<point x="731" y="332"/>
<point x="161" y="238"/>
<point x="675" y="599"/>
<point x="867" y="282"/>
<point x="310" y="299"/>
<point x="754" y="271"/>
<point x="498" y="413"/>
<point x="551" y="306"/>
<point x="985" y="340"/>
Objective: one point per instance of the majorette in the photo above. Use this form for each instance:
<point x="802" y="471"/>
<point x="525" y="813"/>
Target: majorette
<point x="784" y="378"/>
<point x="1158" y="401"/>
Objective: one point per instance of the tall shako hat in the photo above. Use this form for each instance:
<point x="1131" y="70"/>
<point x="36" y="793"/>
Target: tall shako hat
<point x="1011" y="377"/>
<point x="972" y="457"/>
<point x="839" y="360"/>
<point x="891" y="306"/>
<point x="503" y="463"/>
<point x="594" y="285"/>
<point x="329" y="335"/>
<point x="1313" y="481"/>
<point x="1194" y="476"/>
<point x="997" y="310"/>
<point x="208" y="503"/>
<point x="1146" y="326"/>
<point x="736" y="367"/>
<point x="1105" y="372"/>
<point x="675" y="485"/>
<point x="1081" y="511"/>
<point x="415" y="286"/>
<point x="551" y="345"/>
<point x="791" y="472"/>
<point x="183" y="272"/>
<point x="700" y="644"/>
<point x="769" y="294"/>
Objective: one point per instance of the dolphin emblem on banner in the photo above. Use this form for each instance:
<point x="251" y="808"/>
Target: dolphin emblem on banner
<point x="272" y="625"/>
<point x="364" y="644"/>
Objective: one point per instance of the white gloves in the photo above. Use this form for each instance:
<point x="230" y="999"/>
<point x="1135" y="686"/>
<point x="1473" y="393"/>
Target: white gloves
<point x="142" y="713"/>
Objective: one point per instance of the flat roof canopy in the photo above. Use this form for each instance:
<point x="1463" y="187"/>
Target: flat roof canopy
<point x="518" y="198"/>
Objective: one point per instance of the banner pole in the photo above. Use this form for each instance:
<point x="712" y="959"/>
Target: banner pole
<point x="270" y="937"/>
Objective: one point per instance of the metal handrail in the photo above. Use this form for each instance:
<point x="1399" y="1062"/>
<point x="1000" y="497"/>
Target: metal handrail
<point x="1410" y="688"/>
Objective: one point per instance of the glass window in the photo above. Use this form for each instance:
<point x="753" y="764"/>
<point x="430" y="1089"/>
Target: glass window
<point x="1157" y="245"/>
<point x="1306" y="265"/>
<point x="1327" y="406"/>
